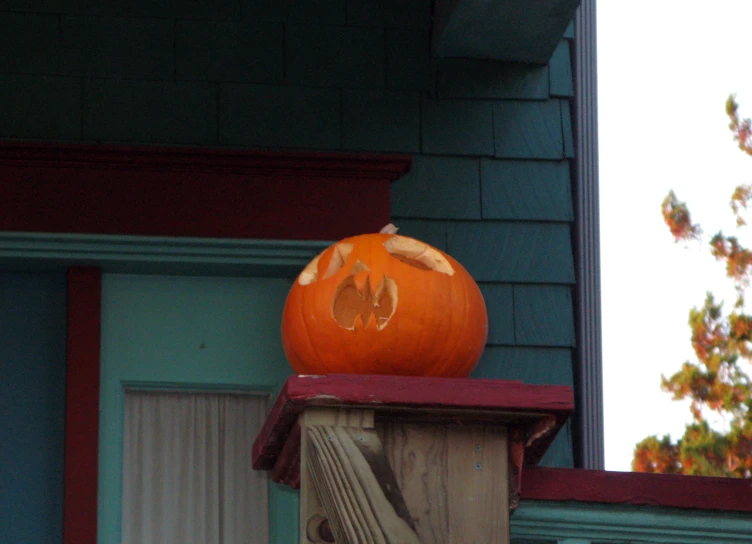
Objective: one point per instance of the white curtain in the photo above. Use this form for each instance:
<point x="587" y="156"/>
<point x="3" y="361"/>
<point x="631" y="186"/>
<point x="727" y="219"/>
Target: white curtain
<point x="187" y="476"/>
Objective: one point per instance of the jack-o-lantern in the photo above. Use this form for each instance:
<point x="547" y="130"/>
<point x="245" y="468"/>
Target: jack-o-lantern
<point x="384" y="304"/>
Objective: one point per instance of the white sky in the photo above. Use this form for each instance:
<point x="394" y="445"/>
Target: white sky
<point x="665" y="68"/>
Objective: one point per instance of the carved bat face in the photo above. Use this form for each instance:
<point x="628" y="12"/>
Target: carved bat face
<point x="366" y="297"/>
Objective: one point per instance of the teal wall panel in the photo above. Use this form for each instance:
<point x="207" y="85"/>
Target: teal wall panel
<point x="528" y="130"/>
<point x="499" y="300"/>
<point x="30" y="42"/>
<point x="229" y="51"/>
<point x="118" y="47"/>
<point x="278" y="116"/>
<point x="520" y="190"/>
<point x="432" y="232"/>
<point x="275" y="10"/>
<point x="514" y="251"/>
<point x="543" y="315"/>
<point x="334" y="56"/>
<point x="187" y="9"/>
<point x="533" y="365"/>
<point x="160" y="112"/>
<point x="408" y="62"/>
<point x="440" y="188"/>
<point x="566" y="122"/>
<point x="380" y="121"/>
<point x="184" y="332"/>
<point x="464" y="78"/>
<point x="40" y="6"/>
<point x="562" y="83"/>
<point x="40" y="107"/>
<point x="32" y="407"/>
<point x="411" y="14"/>
<point x="569" y="32"/>
<point x="457" y="127"/>
<point x="325" y="12"/>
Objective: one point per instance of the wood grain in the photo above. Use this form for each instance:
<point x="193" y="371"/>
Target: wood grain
<point x="477" y="485"/>
<point x="417" y="456"/>
<point x="453" y="479"/>
<point x="447" y="399"/>
<point x="350" y="489"/>
<point x="310" y="499"/>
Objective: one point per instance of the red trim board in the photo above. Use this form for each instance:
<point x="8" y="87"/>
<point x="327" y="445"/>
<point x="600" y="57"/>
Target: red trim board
<point x="540" y="410"/>
<point x="82" y="405"/>
<point x="639" y="489"/>
<point x="196" y="192"/>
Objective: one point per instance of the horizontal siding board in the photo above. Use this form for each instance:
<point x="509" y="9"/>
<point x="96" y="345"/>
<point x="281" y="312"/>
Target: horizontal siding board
<point x="457" y="127"/>
<point x="431" y="232"/>
<point x="194" y="9"/>
<point x="500" y="307"/>
<point x="40" y="107"/>
<point x="466" y="78"/>
<point x="534" y="190"/>
<point x="38" y="6"/>
<point x="318" y="12"/>
<point x="29" y="43"/>
<point x="562" y="83"/>
<point x="566" y="127"/>
<point x="536" y="366"/>
<point x="150" y="111"/>
<point x="528" y="130"/>
<point x="543" y="315"/>
<point x="264" y="10"/>
<point x="202" y="9"/>
<point x="229" y="51"/>
<point x="518" y="252"/>
<point x="409" y="14"/>
<point x="380" y="121"/>
<point x="279" y="116"/>
<point x="560" y="453"/>
<point x="334" y="56"/>
<point x="438" y="188"/>
<point x="409" y="65"/>
<point x="569" y="32"/>
<point x="116" y="47"/>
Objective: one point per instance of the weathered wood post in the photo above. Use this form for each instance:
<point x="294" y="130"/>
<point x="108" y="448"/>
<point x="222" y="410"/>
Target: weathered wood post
<point x="389" y="459"/>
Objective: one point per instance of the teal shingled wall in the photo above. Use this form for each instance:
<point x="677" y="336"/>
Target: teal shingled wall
<point x="492" y="142"/>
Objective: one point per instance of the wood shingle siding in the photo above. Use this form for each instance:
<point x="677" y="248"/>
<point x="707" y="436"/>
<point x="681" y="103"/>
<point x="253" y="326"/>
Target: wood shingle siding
<point x="491" y="141"/>
<point x="526" y="190"/>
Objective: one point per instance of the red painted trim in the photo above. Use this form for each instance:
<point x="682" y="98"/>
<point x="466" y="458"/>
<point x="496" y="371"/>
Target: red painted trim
<point x="634" y="488"/>
<point x="82" y="405"/>
<point x="453" y="399"/>
<point x="287" y="468"/>
<point x="216" y="193"/>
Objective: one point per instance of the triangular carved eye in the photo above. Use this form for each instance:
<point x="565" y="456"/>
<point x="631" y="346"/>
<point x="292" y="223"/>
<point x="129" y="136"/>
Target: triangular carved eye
<point x="417" y="254"/>
<point x="340" y="254"/>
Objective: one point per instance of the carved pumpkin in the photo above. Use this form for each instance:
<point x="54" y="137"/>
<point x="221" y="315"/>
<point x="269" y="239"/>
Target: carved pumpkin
<point x="384" y="304"/>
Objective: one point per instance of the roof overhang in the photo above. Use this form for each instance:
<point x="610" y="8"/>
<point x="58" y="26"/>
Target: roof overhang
<point x="508" y="30"/>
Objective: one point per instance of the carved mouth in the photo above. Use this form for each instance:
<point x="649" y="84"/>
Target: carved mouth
<point x="357" y="305"/>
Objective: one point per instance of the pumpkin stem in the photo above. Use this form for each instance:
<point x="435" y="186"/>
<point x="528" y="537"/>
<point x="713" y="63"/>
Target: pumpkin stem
<point x="389" y="229"/>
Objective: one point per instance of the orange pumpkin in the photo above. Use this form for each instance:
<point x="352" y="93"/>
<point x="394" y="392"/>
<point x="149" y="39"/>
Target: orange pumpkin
<point x="384" y="304"/>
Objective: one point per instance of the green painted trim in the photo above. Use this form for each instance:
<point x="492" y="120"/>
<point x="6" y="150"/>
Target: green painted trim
<point x="561" y="521"/>
<point x="153" y="254"/>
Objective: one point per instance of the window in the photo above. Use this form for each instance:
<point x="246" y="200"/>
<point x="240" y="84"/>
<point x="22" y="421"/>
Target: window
<point x="187" y="475"/>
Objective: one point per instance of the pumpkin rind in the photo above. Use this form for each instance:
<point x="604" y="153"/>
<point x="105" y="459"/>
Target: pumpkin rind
<point x="415" y="311"/>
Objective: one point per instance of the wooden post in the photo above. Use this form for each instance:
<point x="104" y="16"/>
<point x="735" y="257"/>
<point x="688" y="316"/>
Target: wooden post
<point x="407" y="460"/>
